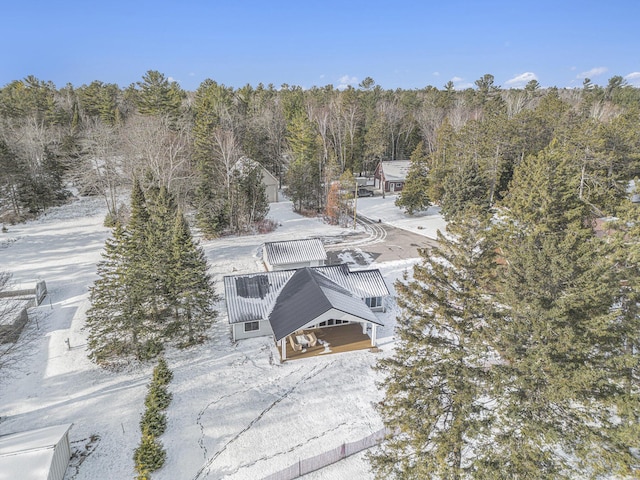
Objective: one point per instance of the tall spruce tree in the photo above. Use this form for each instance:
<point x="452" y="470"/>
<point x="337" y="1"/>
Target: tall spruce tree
<point x="191" y="286"/>
<point x="415" y="193"/>
<point x="437" y="401"/>
<point x="162" y="209"/>
<point x="560" y="377"/>
<point x="462" y="187"/>
<point x="114" y="330"/>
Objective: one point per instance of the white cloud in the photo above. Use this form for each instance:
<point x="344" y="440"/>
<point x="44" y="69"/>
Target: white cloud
<point x="520" y="80"/>
<point x="436" y="74"/>
<point x="594" y="72"/>
<point x="345" y="80"/>
<point x="460" y="84"/>
<point x="633" y="79"/>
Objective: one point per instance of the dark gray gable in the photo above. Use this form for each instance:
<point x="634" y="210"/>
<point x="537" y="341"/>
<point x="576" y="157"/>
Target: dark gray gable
<point x="300" y="301"/>
<point x="309" y="294"/>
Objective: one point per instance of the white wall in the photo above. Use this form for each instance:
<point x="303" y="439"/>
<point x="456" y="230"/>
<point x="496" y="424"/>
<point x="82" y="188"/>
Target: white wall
<point x="263" y="330"/>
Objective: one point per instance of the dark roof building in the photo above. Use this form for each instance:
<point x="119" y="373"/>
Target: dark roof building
<point x="281" y="302"/>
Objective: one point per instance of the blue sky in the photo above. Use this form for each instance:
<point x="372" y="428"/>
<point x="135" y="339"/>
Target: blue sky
<point x="400" y="44"/>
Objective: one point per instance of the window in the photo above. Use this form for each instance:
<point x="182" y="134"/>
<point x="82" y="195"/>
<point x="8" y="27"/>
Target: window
<point x="251" y="326"/>
<point x="373" y="302"/>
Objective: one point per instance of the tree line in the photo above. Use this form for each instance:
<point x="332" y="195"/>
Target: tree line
<point x="195" y="143"/>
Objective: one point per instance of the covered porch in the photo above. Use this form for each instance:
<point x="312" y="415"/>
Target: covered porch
<point x="337" y="339"/>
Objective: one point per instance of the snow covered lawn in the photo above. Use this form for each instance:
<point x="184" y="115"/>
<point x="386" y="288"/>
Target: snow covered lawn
<point x="236" y="411"/>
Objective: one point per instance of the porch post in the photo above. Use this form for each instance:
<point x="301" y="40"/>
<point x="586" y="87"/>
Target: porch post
<point x="373" y="334"/>
<point x="283" y="344"/>
<point x="364" y="328"/>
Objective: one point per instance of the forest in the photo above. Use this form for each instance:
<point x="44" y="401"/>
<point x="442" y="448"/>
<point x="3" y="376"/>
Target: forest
<point x="99" y="137"/>
<point x="516" y="349"/>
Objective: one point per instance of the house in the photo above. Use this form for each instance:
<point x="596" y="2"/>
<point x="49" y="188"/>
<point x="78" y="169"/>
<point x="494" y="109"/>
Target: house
<point x="291" y="254"/>
<point x="41" y="454"/>
<point x="283" y="302"/>
<point x="390" y="176"/>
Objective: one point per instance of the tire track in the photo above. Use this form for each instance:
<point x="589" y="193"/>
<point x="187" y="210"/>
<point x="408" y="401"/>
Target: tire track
<point x="375" y="233"/>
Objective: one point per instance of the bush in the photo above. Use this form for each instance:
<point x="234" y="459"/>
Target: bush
<point x="161" y="374"/>
<point x="153" y="421"/>
<point x="158" y="397"/>
<point x="150" y="455"/>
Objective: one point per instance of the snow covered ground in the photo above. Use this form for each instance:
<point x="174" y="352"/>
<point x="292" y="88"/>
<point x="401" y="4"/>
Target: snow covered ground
<point x="236" y="412"/>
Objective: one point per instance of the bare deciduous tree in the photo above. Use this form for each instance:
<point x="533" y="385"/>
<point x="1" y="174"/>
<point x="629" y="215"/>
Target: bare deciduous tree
<point x="161" y="149"/>
<point x="101" y="171"/>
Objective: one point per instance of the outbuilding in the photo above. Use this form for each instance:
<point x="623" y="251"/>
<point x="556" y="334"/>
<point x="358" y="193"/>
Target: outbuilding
<point x="41" y="454"/>
<point x="292" y="254"/>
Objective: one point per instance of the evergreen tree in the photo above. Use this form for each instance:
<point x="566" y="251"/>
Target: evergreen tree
<point x="303" y="175"/>
<point x="191" y="286"/>
<point x="161" y="209"/>
<point x="415" y="193"/>
<point x="437" y="399"/>
<point x="138" y="276"/>
<point x="114" y="329"/>
<point x="558" y="335"/>
<point x="462" y="188"/>
<point x="158" y="96"/>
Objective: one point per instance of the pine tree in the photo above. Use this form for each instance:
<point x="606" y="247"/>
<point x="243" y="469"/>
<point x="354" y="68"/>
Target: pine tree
<point x="137" y="274"/>
<point x="437" y="401"/>
<point x="161" y="209"/>
<point x="113" y="330"/>
<point x="415" y="193"/>
<point x="463" y="186"/>
<point x="557" y="334"/>
<point x="303" y="176"/>
<point x="159" y="96"/>
<point x="192" y="287"/>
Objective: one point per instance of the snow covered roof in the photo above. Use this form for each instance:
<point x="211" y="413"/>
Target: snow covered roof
<point x="254" y="296"/>
<point x="294" y="251"/>
<point x="29" y="455"/>
<point x="309" y="294"/>
<point x="395" y="170"/>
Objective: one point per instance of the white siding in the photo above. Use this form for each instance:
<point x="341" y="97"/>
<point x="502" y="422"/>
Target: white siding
<point x="264" y="329"/>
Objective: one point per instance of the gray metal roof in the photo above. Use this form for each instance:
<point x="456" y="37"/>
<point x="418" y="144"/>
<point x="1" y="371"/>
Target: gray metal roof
<point x="253" y="297"/>
<point x="395" y="170"/>
<point x="363" y="283"/>
<point x="295" y="251"/>
<point x="306" y="296"/>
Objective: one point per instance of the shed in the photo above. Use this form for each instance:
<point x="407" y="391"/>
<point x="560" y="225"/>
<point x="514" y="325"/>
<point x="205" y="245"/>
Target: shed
<point x="271" y="184"/>
<point x="289" y="254"/>
<point x="41" y="454"/>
